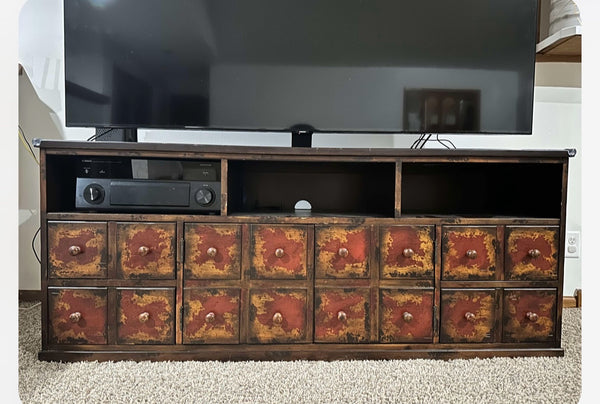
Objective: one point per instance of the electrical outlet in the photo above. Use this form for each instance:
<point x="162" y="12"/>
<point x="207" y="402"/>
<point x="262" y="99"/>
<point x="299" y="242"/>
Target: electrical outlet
<point x="573" y="244"/>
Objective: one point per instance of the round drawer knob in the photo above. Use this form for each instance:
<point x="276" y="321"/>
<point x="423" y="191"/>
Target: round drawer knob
<point x="408" y="252"/>
<point x="144" y="317"/>
<point x="342" y="316"/>
<point x="472" y="254"/>
<point x="407" y="317"/>
<point x="277" y="318"/>
<point x="534" y="253"/>
<point x="74" y="250"/>
<point x="470" y="316"/>
<point x="531" y="316"/>
<point x="143" y="251"/>
<point x="279" y="252"/>
<point x="75" y="317"/>
<point x="210" y="317"/>
<point x="343" y="252"/>
<point x="211" y="252"/>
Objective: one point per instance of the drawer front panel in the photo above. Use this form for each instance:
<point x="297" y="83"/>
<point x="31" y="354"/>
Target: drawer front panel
<point x="529" y="315"/>
<point x="146" y="316"/>
<point x="342" y="315"/>
<point x="77" y="250"/>
<point x="279" y="252"/>
<point x="277" y="315"/>
<point x="407" y="252"/>
<point x="469" y="253"/>
<point x="77" y="316"/>
<point x="211" y="316"/>
<point x="212" y="251"/>
<point x="406" y="315"/>
<point x="146" y="250"/>
<point x="532" y="253"/>
<point x="342" y="252"/>
<point x="468" y="315"/>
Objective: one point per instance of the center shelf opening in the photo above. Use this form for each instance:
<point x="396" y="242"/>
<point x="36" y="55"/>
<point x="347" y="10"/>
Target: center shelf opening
<point x="343" y="188"/>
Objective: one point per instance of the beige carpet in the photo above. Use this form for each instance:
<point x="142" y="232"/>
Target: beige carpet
<point x="498" y="380"/>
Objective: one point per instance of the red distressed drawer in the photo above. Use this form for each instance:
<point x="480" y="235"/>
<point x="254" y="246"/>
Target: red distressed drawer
<point x="406" y="315"/>
<point x="211" y="316"/>
<point x="279" y="252"/>
<point x="212" y="251"/>
<point x="342" y="252"/>
<point x="277" y="316"/>
<point x="407" y="252"/>
<point x="468" y="315"/>
<point x="529" y="315"/>
<point x="77" y="250"/>
<point x="77" y="315"/>
<point x="146" y="316"/>
<point x="531" y="253"/>
<point x="342" y="315"/>
<point x="469" y="253"/>
<point x="146" y="250"/>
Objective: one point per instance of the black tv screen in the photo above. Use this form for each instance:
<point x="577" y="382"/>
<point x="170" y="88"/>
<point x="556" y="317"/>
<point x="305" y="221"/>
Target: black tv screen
<point x="368" y="66"/>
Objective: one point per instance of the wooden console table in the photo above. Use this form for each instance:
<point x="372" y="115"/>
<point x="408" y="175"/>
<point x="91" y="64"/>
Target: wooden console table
<point x="405" y="254"/>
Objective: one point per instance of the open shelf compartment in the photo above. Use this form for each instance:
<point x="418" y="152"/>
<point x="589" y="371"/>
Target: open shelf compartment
<point x="482" y="189"/>
<point x="341" y="188"/>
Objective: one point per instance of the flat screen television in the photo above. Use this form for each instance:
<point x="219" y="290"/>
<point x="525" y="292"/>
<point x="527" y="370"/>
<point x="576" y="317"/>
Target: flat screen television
<point x="366" y="66"/>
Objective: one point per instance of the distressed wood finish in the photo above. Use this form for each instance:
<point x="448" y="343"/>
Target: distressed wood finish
<point x="77" y="249"/>
<point x="146" y="316"/>
<point x="342" y="315"/>
<point x="279" y="252"/>
<point x="406" y="315"/>
<point x="407" y="252"/>
<point x="342" y="251"/>
<point x="211" y="316"/>
<point x="277" y="316"/>
<point x="77" y="316"/>
<point x="212" y="251"/>
<point x="380" y="269"/>
<point x="469" y="253"/>
<point x="468" y="315"/>
<point x="146" y="250"/>
<point x="531" y="253"/>
<point x="529" y="315"/>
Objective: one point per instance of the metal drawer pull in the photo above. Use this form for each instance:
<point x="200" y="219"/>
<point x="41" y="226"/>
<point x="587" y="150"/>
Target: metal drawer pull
<point x="75" y="317"/>
<point x="143" y="251"/>
<point x="472" y="254"/>
<point x="408" y="252"/>
<point x="277" y="318"/>
<point x="343" y="252"/>
<point x="144" y="317"/>
<point x="74" y="250"/>
<point x="407" y="317"/>
<point x="210" y="317"/>
<point x="279" y="252"/>
<point x="470" y="316"/>
<point x="342" y="316"/>
<point x="211" y="252"/>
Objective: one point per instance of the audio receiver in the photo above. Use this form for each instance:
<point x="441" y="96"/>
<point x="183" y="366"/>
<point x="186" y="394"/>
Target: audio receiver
<point x="107" y="194"/>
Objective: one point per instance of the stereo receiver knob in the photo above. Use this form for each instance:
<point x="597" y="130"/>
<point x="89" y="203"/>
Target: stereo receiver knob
<point x="93" y="194"/>
<point x="205" y="196"/>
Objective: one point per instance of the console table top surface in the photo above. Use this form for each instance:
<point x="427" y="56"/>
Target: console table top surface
<point x="293" y="151"/>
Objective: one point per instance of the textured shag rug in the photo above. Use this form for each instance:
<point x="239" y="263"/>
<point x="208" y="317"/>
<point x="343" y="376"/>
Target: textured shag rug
<point x="496" y="380"/>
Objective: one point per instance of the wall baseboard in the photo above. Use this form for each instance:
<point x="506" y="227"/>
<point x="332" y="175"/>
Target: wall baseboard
<point x="30" y="295"/>
<point x="36" y="296"/>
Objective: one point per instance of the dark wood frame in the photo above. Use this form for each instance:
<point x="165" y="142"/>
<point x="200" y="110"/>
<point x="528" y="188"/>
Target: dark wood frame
<point x="305" y="350"/>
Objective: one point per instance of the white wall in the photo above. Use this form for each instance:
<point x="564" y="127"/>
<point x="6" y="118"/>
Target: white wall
<point x="556" y="125"/>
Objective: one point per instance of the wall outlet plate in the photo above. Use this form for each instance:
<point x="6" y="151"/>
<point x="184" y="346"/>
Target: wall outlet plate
<point x="573" y="244"/>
